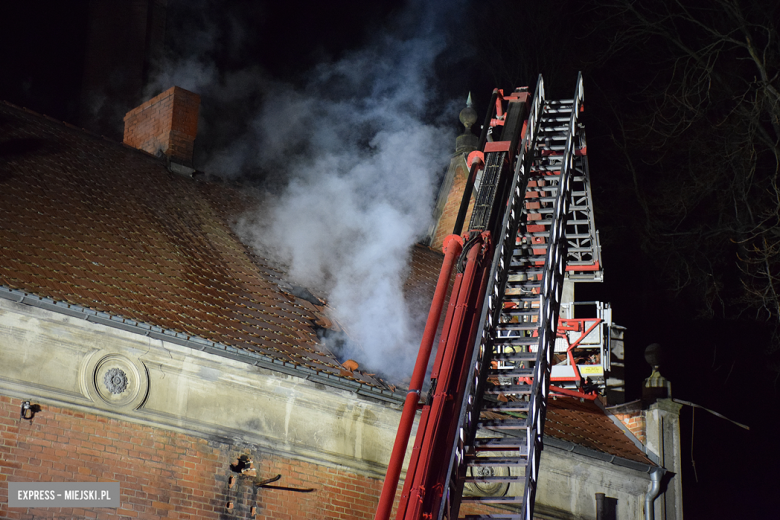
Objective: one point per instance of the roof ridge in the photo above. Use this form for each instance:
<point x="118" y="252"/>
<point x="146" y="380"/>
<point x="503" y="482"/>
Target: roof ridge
<point x="83" y="130"/>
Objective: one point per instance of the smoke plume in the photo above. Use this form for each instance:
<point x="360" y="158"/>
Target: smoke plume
<point x="350" y="157"/>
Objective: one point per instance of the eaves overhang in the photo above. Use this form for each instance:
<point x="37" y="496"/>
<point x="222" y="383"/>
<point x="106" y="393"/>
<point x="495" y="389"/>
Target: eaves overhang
<point x="571" y="447"/>
<point x="202" y="344"/>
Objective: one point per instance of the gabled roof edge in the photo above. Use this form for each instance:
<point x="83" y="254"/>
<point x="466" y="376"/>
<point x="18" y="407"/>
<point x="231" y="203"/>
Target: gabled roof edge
<point x="650" y="455"/>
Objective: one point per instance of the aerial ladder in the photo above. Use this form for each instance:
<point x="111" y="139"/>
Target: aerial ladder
<point x="505" y="329"/>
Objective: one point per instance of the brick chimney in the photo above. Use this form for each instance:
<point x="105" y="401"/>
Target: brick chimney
<point x="165" y="125"/>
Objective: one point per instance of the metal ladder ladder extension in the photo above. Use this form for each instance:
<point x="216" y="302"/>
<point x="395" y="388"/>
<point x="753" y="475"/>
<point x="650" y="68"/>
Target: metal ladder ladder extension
<point x="509" y="375"/>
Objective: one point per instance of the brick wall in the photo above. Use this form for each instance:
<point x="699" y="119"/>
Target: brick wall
<point x="481" y="509"/>
<point x="164" y="474"/>
<point x="451" y="208"/>
<point x="338" y="494"/>
<point x="166" y="124"/>
<point x="635" y="422"/>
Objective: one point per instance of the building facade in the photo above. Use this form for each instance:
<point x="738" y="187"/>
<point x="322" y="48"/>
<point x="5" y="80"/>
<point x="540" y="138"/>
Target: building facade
<point x="157" y="351"/>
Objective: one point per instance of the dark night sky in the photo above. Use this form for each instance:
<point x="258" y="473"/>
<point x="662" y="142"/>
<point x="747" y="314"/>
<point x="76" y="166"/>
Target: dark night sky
<point x="714" y="362"/>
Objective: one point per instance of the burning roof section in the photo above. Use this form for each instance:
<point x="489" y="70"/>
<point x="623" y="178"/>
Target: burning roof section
<point x="92" y="224"/>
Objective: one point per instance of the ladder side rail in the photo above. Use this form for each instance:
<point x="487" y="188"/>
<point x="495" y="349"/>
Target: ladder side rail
<point x="583" y="160"/>
<point x="588" y="266"/>
<point x="470" y="408"/>
<point x="581" y="237"/>
<point x="551" y="291"/>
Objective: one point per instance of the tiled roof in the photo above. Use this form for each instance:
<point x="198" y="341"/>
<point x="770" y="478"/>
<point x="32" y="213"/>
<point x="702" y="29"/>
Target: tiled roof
<point x="421" y="283"/>
<point x="95" y="223"/>
<point x="584" y="423"/>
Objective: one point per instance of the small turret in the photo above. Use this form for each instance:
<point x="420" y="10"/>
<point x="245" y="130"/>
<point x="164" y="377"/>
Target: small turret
<point x="467" y="141"/>
<point x="655" y="386"/>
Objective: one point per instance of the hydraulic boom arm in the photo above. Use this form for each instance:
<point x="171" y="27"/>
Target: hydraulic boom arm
<point x="492" y="370"/>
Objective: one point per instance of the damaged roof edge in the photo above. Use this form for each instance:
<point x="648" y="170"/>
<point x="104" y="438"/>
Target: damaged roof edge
<point x="198" y="343"/>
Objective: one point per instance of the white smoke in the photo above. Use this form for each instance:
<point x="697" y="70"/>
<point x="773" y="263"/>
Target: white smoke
<point x="355" y="154"/>
<point x="361" y="195"/>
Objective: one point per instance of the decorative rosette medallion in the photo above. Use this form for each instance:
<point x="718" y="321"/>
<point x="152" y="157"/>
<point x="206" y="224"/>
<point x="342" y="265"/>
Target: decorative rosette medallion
<point x="115" y="380"/>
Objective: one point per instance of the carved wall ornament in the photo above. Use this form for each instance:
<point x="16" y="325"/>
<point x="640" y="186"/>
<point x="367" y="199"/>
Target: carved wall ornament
<point x="115" y="381"/>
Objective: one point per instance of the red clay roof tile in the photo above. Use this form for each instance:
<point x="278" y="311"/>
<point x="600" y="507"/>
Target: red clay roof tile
<point x="584" y="423"/>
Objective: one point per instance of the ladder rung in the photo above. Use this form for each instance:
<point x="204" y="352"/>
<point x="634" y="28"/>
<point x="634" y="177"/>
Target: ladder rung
<point x="513" y="341"/>
<point x="561" y="135"/>
<point x="488" y="480"/>
<point x="520" y="312"/>
<point x="493" y="517"/>
<point x="506" y="424"/>
<point x="521" y="280"/>
<point x="550" y="210"/>
<point x="513" y="371"/>
<point x="532" y="189"/>
<point x="553" y="177"/>
<point x="520" y="250"/>
<point x="540" y="245"/>
<point x="550" y="188"/>
<point x="571" y="263"/>
<point x="508" y="389"/>
<point x="514" y="298"/>
<point x="502" y="444"/>
<point x="543" y="129"/>
<point x="516" y="341"/>
<point x="516" y="326"/>
<point x="509" y="406"/>
<point x="473" y="460"/>
<point x="547" y="222"/>
<point x="545" y="234"/>
<point x="532" y="272"/>
<point x="515" y="356"/>
<point x="524" y="254"/>
<point x="494" y="500"/>
<point x="529" y="286"/>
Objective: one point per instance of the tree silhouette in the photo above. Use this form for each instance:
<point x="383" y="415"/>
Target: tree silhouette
<point x="700" y="142"/>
